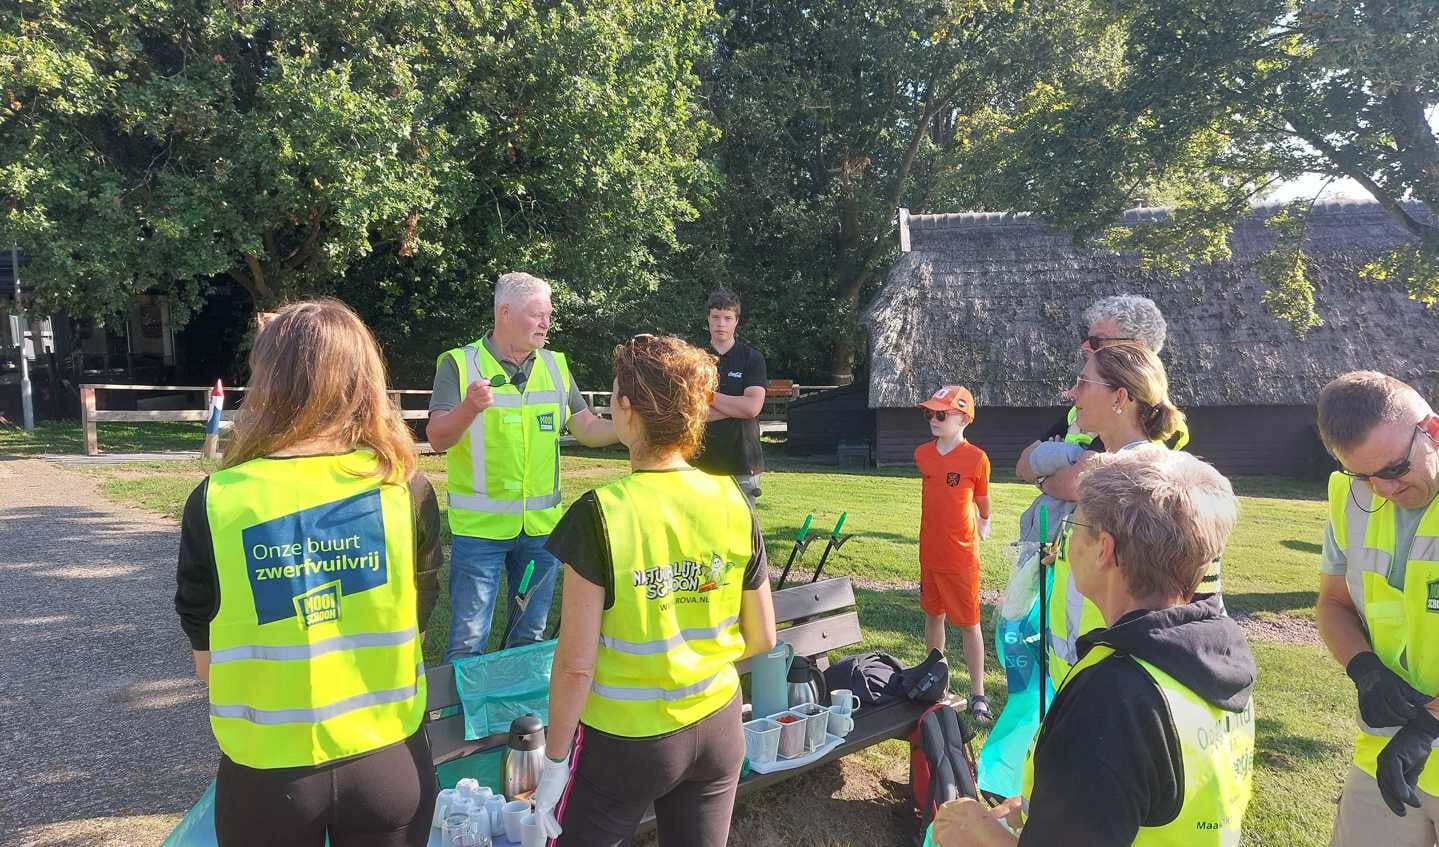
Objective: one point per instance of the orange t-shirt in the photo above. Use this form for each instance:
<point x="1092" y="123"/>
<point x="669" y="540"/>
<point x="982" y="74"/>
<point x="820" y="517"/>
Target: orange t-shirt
<point x="948" y="534"/>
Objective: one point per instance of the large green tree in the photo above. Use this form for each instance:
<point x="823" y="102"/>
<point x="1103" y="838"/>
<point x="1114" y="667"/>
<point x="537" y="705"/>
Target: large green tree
<point x="1221" y="99"/>
<point x="835" y="113"/>
<point x="398" y="153"/>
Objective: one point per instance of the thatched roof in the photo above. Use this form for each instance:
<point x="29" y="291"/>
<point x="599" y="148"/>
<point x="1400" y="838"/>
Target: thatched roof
<point x="993" y="301"/>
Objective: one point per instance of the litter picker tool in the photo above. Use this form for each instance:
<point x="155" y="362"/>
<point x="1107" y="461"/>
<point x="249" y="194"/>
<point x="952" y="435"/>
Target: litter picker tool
<point x="836" y="541"/>
<point x="1043" y="606"/>
<point x="211" y="450"/>
<point x="801" y="541"/>
<point x="521" y="602"/>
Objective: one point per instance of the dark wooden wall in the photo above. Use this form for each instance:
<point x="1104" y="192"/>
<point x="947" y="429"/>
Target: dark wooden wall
<point x="1239" y="440"/>
<point x="817" y="424"/>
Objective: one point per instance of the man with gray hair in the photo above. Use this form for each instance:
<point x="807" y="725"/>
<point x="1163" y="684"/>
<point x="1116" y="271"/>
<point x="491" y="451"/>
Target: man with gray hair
<point x="1378" y="609"/>
<point x="497" y="410"/>
<point x="1151" y="736"/>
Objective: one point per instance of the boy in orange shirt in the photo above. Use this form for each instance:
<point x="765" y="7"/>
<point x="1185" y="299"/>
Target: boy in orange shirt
<point x="954" y="518"/>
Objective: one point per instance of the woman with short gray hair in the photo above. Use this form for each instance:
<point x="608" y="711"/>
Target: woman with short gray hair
<point x="1151" y="737"/>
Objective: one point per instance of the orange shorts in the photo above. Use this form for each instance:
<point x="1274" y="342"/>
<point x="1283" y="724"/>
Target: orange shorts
<point x="952" y="593"/>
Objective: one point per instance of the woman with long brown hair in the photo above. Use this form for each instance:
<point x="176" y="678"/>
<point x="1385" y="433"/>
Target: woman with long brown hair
<point x="665" y="588"/>
<point x="307" y="570"/>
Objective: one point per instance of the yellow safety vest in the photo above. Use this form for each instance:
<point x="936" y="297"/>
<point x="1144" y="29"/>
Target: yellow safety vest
<point x="1217" y="750"/>
<point x="315" y="652"/>
<point x="504" y="472"/>
<point x="680" y="542"/>
<point x="1403" y="625"/>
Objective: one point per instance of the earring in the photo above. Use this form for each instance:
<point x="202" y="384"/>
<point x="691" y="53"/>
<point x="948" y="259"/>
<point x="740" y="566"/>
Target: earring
<point x="1118" y="411"/>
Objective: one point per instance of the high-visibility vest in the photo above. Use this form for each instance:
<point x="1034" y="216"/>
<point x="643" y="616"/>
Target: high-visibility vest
<point x="504" y="472"/>
<point x="1403" y="625"/>
<point x="315" y="650"/>
<point x="680" y="542"/>
<point x="1217" y="751"/>
<point x="1071" y="614"/>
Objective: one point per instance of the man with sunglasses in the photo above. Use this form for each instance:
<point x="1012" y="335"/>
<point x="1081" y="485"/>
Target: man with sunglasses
<point x="1378" y="608"/>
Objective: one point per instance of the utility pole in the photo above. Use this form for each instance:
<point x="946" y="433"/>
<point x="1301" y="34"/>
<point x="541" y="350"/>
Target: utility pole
<point x="27" y="402"/>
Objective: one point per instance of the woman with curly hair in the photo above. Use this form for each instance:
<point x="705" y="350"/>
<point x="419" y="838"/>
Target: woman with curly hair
<point x="665" y="589"/>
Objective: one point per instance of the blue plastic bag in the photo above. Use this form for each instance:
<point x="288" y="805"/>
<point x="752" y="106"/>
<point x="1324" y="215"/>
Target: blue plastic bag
<point x="1017" y="642"/>
<point x="495" y="688"/>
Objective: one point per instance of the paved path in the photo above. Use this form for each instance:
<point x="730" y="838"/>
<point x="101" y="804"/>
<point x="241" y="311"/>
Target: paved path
<point x="104" y="737"/>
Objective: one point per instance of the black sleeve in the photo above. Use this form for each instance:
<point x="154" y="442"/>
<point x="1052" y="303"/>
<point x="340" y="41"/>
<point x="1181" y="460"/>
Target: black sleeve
<point x="429" y="553"/>
<point x="579" y="540"/>
<point x="756" y="573"/>
<point x="1107" y="763"/>
<point x="1059" y="430"/>
<point x="197" y="589"/>
<point x="755" y="373"/>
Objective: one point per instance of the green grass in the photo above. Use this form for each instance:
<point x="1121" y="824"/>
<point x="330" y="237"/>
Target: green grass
<point x="1304" y="704"/>
<point x="67" y="437"/>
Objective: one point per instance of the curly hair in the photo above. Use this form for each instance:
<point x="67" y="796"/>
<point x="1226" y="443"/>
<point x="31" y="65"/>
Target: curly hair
<point x="1134" y="316"/>
<point x="670" y="384"/>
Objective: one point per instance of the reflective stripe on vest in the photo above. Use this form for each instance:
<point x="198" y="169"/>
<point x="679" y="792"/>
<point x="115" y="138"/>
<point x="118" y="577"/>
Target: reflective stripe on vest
<point x="315" y="649"/>
<point x="529" y="476"/>
<point x="1217" y="752"/>
<point x="1403" y="625"/>
<point x="680" y="541"/>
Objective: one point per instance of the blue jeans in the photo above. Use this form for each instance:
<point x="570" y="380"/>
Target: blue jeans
<point x="475" y="566"/>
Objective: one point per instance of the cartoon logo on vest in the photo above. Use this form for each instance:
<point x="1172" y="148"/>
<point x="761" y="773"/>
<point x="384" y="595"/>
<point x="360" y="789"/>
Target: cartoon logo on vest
<point x="547" y="421"/>
<point x="1433" y="603"/>
<point x="304" y="564"/>
<point x="718" y="568"/>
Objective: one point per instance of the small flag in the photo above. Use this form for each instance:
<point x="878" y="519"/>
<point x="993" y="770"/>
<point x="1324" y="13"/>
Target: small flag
<point x="212" y="425"/>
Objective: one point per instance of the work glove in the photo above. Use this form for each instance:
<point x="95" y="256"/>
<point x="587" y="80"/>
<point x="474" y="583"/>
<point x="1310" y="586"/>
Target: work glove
<point x="1402" y="760"/>
<point x="554" y="779"/>
<point x="984" y="529"/>
<point x="1385" y="699"/>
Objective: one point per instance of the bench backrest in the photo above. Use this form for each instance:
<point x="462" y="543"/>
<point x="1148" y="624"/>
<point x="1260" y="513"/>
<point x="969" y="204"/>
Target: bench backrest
<point x="815" y="618"/>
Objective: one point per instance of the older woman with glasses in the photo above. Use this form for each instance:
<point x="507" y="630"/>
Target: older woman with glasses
<point x="1151" y="738"/>
<point x="665" y="588"/>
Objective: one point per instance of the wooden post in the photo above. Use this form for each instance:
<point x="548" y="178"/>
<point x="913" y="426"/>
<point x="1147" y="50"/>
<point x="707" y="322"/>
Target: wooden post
<point x="87" y="421"/>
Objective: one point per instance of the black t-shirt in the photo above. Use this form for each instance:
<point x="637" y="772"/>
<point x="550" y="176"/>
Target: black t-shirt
<point x="197" y="594"/>
<point x="1107" y="761"/>
<point x="731" y="446"/>
<point x="581" y="541"/>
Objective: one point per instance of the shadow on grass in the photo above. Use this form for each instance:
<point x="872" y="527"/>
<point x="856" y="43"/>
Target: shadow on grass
<point x="1275" y="601"/>
<point x="1302" y="546"/>
<point x="1280" y="751"/>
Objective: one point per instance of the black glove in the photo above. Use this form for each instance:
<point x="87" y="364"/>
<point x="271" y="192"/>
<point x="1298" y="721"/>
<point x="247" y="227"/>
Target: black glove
<point x="1402" y="760"/>
<point x="1384" y="698"/>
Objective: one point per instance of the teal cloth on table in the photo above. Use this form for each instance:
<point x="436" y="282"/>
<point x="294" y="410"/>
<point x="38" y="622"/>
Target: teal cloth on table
<point x="1017" y="642"/>
<point x="484" y="767"/>
<point x="495" y="688"/>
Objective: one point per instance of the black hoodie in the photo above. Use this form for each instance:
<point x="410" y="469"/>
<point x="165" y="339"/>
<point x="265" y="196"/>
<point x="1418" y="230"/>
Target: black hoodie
<point x="1108" y="760"/>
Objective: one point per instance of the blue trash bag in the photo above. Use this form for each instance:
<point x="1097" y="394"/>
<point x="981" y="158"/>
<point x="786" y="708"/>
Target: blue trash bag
<point x="1017" y="642"/>
<point x="495" y="688"/>
<point x="197" y="828"/>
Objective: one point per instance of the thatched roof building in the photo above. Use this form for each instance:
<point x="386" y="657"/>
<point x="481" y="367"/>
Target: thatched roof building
<point x="993" y="301"/>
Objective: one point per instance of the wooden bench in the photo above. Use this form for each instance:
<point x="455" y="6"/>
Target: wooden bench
<point x="816" y="619"/>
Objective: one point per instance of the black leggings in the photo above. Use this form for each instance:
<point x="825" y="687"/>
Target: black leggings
<point x="385" y="798"/>
<point x="690" y="776"/>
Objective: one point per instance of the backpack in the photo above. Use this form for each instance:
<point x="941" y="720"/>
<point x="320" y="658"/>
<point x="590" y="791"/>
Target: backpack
<point x="941" y="763"/>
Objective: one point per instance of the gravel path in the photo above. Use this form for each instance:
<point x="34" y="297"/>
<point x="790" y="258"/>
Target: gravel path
<point x="105" y="738"/>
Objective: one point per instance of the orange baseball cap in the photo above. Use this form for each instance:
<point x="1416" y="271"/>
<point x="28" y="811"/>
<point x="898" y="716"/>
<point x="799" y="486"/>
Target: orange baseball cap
<point x="951" y="398"/>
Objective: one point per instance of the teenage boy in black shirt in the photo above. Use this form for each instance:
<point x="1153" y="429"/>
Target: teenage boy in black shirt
<point x="731" y="443"/>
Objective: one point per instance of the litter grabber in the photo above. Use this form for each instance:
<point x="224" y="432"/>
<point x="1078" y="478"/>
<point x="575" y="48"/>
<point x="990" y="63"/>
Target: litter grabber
<point x="801" y="541"/>
<point x="1044" y="576"/>
<point x="836" y="541"/>
<point x="520" y="603"/>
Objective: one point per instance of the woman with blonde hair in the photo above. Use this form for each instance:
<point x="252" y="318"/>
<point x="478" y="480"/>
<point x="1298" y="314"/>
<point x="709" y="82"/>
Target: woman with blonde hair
<point x="307" y="570"/>
<point x="665" y="588"/>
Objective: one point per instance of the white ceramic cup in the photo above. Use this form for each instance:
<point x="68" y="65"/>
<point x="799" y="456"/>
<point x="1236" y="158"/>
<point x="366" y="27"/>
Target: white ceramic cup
<point x="530" y="833"/>
<point x="841" y="725"/>
<point x="843" y="701"/>
<point x="514" y="812"/>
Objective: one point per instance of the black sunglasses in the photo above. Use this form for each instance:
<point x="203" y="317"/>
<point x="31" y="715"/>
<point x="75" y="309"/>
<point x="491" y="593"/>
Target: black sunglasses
<point x="932" y="415"/>
<point x="1097" y="341"/>
<point x="1393" y="471"/>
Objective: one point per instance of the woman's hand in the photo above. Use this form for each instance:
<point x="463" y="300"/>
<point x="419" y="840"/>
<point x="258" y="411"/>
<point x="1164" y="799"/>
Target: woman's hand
<point x="554" y="779"/>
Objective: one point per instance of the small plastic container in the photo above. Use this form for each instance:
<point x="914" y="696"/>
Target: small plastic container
<point x="816" y="724"/>
<point x="761" y="741"/>
<point x="791" y="734"/>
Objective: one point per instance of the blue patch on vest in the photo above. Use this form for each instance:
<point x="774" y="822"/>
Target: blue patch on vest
<point x="300" y="565"/>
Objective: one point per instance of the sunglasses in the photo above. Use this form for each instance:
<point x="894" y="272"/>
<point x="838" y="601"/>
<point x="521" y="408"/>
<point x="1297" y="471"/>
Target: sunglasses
<point x="1393" y="471"/>
<point x="1097" y="341"/>
<point x="931" y="415"/>
<point x="1079" y="379"/>
<point x="1071" y="523"/>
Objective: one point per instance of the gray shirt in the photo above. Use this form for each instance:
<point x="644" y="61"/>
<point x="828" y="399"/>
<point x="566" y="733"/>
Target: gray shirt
<point x="1406" y="524"/>
<point x="445" y="395"/>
